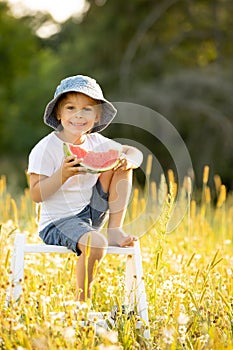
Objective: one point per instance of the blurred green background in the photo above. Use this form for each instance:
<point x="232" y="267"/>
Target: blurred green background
<point x="172" y="56"/>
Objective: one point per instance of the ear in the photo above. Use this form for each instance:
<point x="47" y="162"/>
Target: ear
<point x="58" y="116"/>
<point x="97" y="118"/>
<point x="98" y="114"/>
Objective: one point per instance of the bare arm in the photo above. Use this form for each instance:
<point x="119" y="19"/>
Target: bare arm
<point x="42" y="187"/>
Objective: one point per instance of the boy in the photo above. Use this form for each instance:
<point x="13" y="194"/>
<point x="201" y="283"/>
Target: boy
<point x="74" y="202"/>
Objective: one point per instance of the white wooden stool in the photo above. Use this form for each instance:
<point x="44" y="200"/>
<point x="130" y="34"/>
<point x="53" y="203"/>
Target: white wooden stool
<point x="134" y="284"/>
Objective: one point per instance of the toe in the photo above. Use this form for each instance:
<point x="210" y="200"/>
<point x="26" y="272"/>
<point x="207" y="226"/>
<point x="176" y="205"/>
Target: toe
<point x="128" y="242"/>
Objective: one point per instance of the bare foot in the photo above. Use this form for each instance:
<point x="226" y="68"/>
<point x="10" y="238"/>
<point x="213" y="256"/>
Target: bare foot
<point x="117" y="237"/>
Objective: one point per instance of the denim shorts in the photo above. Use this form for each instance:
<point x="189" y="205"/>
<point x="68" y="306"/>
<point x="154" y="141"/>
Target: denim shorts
<point x="67" y="231"/>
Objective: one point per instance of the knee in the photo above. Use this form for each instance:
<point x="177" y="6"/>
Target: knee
<point x="95" y="243"/>
<point x="98" y="246"/>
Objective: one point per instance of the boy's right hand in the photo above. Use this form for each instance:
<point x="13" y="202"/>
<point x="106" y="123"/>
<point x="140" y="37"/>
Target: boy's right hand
<point x="42" y="186"/>
<point x="71" y="166"/>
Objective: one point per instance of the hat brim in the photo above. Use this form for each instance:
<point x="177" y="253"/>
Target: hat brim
<point x="108" y="113"/>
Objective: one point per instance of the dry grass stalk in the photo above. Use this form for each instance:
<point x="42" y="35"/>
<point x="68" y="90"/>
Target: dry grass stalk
<point x="207" y="195"/>
<point x="149" y="165"/>
<point x="193" y="207"/>
<point x="135" y="203"/>
<point x="217" y="182"/>
<point x="171" y="176"/>
<point x="222" y="196"/>
<point x="153" y="187"/>
<point x="2" y="185"/>
<point x="206" y="174"/>
<point x="15" y="212"/>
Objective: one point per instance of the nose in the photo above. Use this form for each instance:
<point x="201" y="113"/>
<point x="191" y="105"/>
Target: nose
<point x="78" y="114"/>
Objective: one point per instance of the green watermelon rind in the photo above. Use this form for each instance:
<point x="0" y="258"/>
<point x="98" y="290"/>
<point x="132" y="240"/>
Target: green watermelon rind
<point x="67" y="153"/>
<point x="66" y="150"/>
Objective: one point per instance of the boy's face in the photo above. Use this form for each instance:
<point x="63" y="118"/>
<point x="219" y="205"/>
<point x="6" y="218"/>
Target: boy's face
<point x="78" y="113"/>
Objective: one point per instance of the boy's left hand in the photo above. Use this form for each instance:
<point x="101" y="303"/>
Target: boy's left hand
<point x="131" y="158"/>
<point x="124" y="164"/>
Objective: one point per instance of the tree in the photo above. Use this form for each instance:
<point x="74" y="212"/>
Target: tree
<point x="174" y="56"/>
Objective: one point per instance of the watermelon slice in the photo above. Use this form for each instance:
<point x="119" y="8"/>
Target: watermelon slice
<point x="95" y="162"/>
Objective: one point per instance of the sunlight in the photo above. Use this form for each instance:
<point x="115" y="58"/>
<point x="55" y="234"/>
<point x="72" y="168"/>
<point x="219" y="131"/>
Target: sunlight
<point x="59" y="9"/>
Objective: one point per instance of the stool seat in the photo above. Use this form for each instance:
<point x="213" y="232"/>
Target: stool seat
<point x="134" y="285"/>
<point x="46" y="248"/>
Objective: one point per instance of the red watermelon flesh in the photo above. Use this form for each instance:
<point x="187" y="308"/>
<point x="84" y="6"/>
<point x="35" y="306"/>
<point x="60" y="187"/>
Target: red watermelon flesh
<point x="79" y="152"/>
<point x="101" y="160"/>
<point x="96" y="161"/>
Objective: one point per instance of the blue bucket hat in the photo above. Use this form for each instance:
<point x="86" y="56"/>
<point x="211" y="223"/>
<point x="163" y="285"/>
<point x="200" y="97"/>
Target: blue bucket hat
<point x="84" y="85"/>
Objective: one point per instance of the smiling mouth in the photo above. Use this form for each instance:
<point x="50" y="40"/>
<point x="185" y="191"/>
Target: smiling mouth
<point x="78" y="124"/>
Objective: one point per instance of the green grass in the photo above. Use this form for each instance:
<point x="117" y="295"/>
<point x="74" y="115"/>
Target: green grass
<point x="188" y="276"/>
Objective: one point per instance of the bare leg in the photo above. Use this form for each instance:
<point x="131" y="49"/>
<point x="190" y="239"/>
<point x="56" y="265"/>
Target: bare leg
<point x="87" y="262"/>
<point x="119" y="184"/>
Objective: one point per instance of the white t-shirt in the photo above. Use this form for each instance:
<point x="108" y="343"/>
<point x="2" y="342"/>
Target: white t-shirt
<point x="73" y="196"/>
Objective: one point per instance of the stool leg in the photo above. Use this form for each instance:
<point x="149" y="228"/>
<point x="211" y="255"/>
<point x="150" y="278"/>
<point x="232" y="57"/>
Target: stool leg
<point x="142" y="305"/>
<point x="130" y="282"/>
<point x="135" y="288"/>
<point x="17" y="267"/>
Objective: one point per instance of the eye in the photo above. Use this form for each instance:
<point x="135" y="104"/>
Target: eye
<point x="87" y="109"/>
<point x="70" y="108"/>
